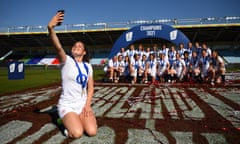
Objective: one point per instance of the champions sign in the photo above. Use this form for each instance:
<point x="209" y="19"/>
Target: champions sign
<point x="139" y="32"/>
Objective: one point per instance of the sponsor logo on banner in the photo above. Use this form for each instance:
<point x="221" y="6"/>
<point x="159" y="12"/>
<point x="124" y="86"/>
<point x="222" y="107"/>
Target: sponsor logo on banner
<point x="20" y="67"/>
<point x="129" y="36"/>
<point x="173" y="35"/>
<point x="12" y="67"/>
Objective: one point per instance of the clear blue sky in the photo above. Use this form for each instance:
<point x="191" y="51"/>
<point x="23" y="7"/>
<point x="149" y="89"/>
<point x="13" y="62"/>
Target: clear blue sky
<point x="39" y="12"/>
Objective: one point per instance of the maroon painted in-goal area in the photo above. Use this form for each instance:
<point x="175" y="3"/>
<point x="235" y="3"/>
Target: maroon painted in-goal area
<point x="126" y="113"/>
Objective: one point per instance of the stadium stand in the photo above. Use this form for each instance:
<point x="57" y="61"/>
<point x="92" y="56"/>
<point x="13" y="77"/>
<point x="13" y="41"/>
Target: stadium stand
<point x="98" y="58"/>
<point x="31" y="43"/>
<point x="48" y="60"/>
<point x="231" y="56"/>
<point x="33" y="61"/>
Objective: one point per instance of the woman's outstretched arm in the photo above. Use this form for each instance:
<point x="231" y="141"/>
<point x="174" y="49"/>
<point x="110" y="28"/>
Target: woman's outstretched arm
<point x="53" y="36"/>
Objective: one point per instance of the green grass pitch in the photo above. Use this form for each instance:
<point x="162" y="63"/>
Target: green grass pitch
<point x="35" y="77"/>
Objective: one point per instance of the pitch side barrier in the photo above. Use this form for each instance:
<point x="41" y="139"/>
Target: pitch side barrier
<point x="103" y="26"/>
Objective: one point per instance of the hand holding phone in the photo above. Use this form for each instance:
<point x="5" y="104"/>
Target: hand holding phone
<point x="62" y="12"/>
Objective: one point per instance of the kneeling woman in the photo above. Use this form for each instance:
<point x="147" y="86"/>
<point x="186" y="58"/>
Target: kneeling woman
<point x="74" y="106"/>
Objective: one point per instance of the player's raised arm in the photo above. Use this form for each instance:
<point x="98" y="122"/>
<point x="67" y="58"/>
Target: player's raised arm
<point x="58" y="18"/>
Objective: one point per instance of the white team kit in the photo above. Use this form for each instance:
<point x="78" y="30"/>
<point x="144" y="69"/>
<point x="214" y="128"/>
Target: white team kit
<point x="205" y="62"/>
<point x="217" y="62"/>
<point x="113" y="64"/>
<point x="190" y="61"/>
<point x="136" y="65"/>
<point x="179" y="66"/>
<point x="162" y="66"/>
<point x="152" y="65"/>
<point x="69" y="100"/>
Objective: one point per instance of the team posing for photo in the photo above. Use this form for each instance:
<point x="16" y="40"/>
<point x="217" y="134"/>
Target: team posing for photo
<point x="194" y="63"/>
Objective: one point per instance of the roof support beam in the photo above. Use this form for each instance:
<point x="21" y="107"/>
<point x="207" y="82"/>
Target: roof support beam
<point x="195" y="36"/>
<point x="237" y="38"/>
<point x="72" y="38"/>
<point x="19" y="41"/>
<point x="217" y="36"/>
<point x="89" y="37"/>
<point x="3" y="43"/>
<point x="39" y="41"/>
<point x="109" y="36"/>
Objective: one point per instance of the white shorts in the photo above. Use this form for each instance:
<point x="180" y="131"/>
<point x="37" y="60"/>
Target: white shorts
<point x="162" y="71"/>
<point x="62" y="111"/>
<point x="76" y="107"/>
<point x="205" y="72"/>
<point x="179" y="72"/>
<point x="134" y="73"/>
<point x="152" y="72"/>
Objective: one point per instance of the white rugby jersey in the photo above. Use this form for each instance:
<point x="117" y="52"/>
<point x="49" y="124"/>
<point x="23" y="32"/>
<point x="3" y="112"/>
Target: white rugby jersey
<point x="72" y="92"/>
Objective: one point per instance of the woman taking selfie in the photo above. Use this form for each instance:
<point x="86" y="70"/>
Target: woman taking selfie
<point x="74" y="105"/>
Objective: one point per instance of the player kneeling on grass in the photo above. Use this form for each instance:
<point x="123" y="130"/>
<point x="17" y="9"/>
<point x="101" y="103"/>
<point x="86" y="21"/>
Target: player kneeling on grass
<point x="180" y="67"/>
<point x="135" y="66"/>
<point x="121" y="68"/>
<point x="162" y="67"/>
<point x="218" y="66"/>
<point x="187" y="60"/>
<point x="194" y="69"/>
<point x="142" y="69"/>
<point x="172" y="75"/>
<point x="208" y="73"/>
<point x="113" y="69"/>
<point x="151" y="68"/>
<point x="126" y="72"/>
<point x="74" y="105"/>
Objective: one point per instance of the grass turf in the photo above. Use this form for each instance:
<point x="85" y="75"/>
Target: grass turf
<point x="35" y="77"/>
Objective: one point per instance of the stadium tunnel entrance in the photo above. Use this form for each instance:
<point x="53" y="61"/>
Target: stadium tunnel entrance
<point x="146" y="31"/>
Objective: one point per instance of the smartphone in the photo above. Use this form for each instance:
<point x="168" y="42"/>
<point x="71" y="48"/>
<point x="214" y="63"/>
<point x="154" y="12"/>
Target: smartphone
<point x="62" y="11"/>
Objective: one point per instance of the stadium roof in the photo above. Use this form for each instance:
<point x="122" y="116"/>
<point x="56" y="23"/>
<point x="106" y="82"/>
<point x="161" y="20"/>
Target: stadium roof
<point x="208" y="30"/>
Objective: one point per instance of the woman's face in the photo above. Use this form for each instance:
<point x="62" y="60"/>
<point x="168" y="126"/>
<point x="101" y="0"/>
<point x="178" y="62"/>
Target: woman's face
<point x="189" y="45"/>
<point x="78" y="49"/>
<point x="152" y="57"/>
<point x="126" y="58"/>
<point x="181" y="46"/>
<point x="140" y="47"/>
<point x="178" y="56"/>
<point x="204" y="53"/>
<point x="132" y="47"/>
<point x="144" y="57"/>
<point x="194" y="54"/>
<point x="162" y="56"/>
<point x="164" y="46"/>
<point x="214" y="54"/>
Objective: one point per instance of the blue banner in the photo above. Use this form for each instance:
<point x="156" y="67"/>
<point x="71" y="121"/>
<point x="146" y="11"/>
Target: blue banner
<point x="15" y="70"/>
<point x="139" y="32"/>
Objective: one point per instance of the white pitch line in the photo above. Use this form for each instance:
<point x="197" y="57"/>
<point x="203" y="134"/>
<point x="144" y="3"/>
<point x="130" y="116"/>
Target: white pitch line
<point x="12" y="130"/>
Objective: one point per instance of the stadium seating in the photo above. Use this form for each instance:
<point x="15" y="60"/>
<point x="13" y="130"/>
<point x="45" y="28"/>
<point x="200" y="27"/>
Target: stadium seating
<point x="98" y="58"/>
<point x="33" y="61"/>
<point x="231" y="56"/>
<point x="48" y="60"/>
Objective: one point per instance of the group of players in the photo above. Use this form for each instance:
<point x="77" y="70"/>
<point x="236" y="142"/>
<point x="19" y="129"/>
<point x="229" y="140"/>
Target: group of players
<point x="193" y="63"/>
